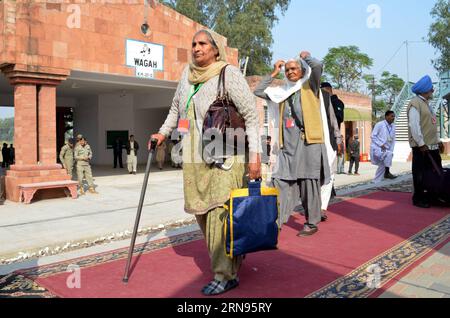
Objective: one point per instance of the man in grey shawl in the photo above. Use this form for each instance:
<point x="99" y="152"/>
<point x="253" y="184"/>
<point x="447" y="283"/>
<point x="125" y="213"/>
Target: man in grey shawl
<point x="299" y="117"/>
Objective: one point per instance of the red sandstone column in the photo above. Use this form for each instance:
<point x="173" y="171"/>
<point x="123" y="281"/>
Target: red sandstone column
<point x="47" y="124"/>
<point x="25" y="118"/>
<point x="34" y="129"/>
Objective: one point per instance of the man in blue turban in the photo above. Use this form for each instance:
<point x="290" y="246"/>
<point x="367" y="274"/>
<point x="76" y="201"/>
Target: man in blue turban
<point x="423" y="86"/>
<point x="423" y="139"/>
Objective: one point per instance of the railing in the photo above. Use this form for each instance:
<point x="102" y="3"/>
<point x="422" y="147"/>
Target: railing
<point x="436" y="102"/>
<point x="444" y="119"/>
<point x="401" y="99"/>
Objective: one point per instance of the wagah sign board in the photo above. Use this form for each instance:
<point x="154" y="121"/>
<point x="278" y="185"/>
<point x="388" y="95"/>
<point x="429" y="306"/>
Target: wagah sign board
<point x="145" y="57"/>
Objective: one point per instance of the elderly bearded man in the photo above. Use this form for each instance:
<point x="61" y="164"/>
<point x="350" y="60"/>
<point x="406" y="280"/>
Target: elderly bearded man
<point x="299" y="115"/>
<point x="382" y="147"/>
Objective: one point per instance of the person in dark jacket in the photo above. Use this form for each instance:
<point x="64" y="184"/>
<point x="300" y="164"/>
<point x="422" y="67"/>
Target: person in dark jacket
<point x="12" y="154"/>
<point x="132" y="148"/>
<point x="339" y="107"/>
<point x="5" y="154"/>
<point x="117" y="148"/>
<point x="354" y="152"/>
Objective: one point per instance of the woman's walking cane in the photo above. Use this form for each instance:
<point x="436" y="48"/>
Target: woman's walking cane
<point x="153" y="144"/>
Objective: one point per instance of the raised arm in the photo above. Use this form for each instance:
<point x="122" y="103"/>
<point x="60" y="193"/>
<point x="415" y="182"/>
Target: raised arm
<point x="268" y="79"/>
<point x="316" y="71"/>
<point x="265" y="82"/>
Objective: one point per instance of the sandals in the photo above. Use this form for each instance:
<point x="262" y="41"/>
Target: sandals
<point x="217" y="287"/>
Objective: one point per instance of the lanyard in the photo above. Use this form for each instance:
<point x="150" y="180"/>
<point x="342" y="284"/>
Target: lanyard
<point x="389" y="128"/>
<point x="197" y="88"/>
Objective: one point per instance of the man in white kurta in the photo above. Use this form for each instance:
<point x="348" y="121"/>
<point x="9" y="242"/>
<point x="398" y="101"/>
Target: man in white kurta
<point x="382" y="147"/>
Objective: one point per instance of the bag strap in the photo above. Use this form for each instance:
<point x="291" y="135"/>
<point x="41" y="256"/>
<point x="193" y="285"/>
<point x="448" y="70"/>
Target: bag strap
<point x="254" y="189"/>
<point x="221" y="83"/>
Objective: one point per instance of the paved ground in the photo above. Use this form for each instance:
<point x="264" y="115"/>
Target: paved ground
<point x="54" y="223"/>
<point x="431" y="279"/>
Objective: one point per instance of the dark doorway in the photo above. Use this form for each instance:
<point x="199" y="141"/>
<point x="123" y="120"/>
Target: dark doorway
<point x="349" y="132"/>
<point x="64" y="127"/>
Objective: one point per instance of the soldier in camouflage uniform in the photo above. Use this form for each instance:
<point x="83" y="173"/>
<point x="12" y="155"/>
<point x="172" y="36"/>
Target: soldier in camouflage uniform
<point x="66" y="157"/>
<point x="83" y="155"/>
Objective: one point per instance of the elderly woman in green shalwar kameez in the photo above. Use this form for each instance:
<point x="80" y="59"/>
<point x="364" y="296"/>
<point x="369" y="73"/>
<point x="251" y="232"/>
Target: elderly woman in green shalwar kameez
<point x="207" y="187"/>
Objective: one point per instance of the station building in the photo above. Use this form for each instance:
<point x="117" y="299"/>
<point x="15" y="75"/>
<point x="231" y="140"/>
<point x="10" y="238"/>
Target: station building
<point x="91" y="64"/>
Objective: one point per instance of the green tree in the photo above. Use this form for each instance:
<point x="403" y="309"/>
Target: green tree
<point x="344" y="67"/>
<point x="246" y="23"/>
<point x="439" y="34"/>
<point x="7" y="129"/>
<point x="379" y="108"/>
<point x="383" y="92"/>
<point x="196" y="10"/>
<point x="390" y="86"/>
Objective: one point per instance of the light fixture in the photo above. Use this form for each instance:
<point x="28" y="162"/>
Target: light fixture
<point x="145" y="28"/>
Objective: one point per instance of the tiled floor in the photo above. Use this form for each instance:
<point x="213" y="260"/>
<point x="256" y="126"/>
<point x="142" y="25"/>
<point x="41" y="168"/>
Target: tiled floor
<point x="431" y="279"/>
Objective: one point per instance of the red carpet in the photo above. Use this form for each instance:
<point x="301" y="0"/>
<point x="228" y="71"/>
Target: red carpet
<point x="358" y="230"/>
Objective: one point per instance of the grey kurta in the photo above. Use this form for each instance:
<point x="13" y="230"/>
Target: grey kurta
<point x="298" y="159"/>
<point x="302" y="167"/>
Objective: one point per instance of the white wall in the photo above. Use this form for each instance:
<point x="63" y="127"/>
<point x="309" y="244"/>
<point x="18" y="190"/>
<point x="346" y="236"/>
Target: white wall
<point x="147" y="122"/>
<point x="86" y="118"/>
<point x="141" y="115"/>
<point x="116" y="112"/>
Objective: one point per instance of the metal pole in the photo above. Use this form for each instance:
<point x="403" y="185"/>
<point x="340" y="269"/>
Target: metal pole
<point x="141" y="203"/>
<point x="441" y="118"/>
<point x="245" y="67"/>
<point x="407" y="61"/>
<point x="448" y="118"/>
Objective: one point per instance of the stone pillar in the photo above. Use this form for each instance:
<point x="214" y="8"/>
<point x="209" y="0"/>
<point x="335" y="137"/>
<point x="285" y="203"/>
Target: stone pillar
<point x="25" y="119"/>
<point x="34" y="129"/>
<point x="47" y="124"/>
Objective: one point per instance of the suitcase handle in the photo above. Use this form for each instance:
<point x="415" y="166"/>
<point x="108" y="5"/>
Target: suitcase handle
<point x="435" y="165"/>
<point x="254" y="188"/>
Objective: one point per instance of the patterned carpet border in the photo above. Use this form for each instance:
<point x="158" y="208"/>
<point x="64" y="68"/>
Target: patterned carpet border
<point x="21" y="283"/>
<point x="111" y="256"/>
<point x="360" y="283"/>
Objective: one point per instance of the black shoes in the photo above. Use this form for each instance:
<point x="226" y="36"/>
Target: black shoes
<point x="389" y="176"/>
<point x="307" y="231"/>
<point x="324" y="217"/>
<point x="423" y="205"/>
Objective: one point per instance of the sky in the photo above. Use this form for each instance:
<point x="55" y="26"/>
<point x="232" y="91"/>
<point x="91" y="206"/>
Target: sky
<point x="6" y="112"/>
<point x="316" y="26"/>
